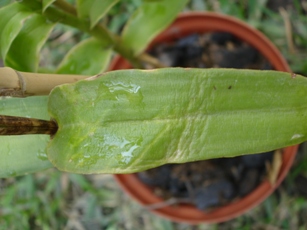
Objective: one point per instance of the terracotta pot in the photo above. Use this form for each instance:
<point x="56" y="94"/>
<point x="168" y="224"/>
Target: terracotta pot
<point x="191" y="23"/>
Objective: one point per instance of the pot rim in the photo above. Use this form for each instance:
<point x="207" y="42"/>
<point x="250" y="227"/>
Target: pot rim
<point x="202" y="22"/>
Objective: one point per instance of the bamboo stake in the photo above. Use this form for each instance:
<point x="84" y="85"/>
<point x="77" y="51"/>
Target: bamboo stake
<point x="21" y="84"/>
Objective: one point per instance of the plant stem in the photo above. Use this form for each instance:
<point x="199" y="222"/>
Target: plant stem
<point x="20" y="84"/>
<point x="10" y="125"/>
<point x="65" y="6"/>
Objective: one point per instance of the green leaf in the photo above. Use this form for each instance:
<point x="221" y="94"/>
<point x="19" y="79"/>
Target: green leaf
<point x="84" y="8"/>
<point x="24" y="154"/>
<point x="5" y="2"/>
<point x="152" y="17"/>
<point x="99" y="9"/>
<point x="47" y="3"/>
<point x="13" y="17"/>
<point x="23" y="54"/>
<point x="131" y="120"/>
<point x="33" y="5"/>
<point x="89" y="57"/>
<point x="94" y="9"/>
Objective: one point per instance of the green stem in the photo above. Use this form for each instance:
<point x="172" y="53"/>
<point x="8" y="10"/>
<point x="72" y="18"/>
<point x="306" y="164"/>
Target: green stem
<point x="65" y="6"/>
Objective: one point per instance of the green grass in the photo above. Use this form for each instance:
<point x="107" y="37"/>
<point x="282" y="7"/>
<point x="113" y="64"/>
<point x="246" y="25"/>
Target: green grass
<point x="55" y="200"/>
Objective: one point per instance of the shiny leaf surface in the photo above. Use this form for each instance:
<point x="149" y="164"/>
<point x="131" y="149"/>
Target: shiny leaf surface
<point x="132" y="120"/>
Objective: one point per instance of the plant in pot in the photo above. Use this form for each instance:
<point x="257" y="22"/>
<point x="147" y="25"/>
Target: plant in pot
<point x="77" y="144"/>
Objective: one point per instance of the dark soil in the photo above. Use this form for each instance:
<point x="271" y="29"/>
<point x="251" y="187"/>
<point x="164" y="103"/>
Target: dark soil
<point x="211" y="50"/>
<point x="210" y="183"/>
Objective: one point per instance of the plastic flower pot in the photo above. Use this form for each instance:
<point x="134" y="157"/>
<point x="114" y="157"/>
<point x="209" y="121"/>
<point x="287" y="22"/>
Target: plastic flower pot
<point x="191" y="23"/>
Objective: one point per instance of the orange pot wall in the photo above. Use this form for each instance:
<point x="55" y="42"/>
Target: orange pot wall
<point x="186" y="24"/>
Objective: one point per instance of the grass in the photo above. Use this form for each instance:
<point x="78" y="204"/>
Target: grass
<point x="55" y="200"/>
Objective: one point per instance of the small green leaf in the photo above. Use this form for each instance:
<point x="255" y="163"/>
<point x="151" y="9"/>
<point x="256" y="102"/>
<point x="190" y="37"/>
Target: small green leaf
<point x="99" y="10"/>
<point x="131" y="120"/>
<point x="23" y="154"/>
<point x="47" y="3"/>
<point x="89" y="57"/>
<point x="12" y="20"/>
<point x="84" y="8"/>
<point x="23" y="54"/>
<point x="94" y="9"/>
<point x="152" y="17"/>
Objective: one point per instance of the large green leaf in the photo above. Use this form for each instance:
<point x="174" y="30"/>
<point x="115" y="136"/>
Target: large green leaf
<point x="23" y="154"/>
<point x="148" y="21"/>
<point x="89" y="57"/>
<point x="12" y="19"/>
<point x="94" y="9"/>
<point x="23" y="54"/>
<point x="131" y="120"/>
